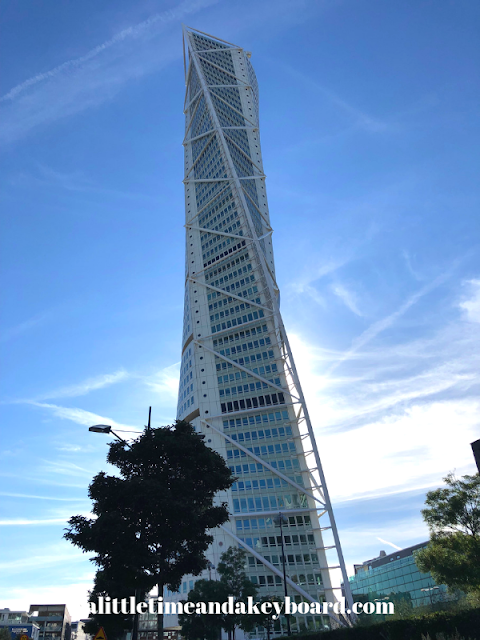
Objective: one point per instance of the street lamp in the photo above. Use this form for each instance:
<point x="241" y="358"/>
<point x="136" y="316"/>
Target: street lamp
<point x="210" y="566"/>
<point x="429" y="590"/>
<point x="100" y="428"/>
<point x="106" y="428"/>
<point x="279" y="521"/>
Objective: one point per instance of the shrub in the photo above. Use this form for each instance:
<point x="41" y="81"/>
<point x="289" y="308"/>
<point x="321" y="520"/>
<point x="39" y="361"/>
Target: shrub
<point x="465" y="623"/>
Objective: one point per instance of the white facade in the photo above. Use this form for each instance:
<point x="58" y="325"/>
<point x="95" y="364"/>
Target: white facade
<point x="238" y="382"/>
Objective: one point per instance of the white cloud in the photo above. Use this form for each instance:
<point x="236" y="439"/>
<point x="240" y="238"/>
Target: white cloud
<point x="381" y="325"/>
<point x="165" y="382"/>
<point x="347" y="297"/>
<point x="403" y="452"/>
<point x="390" y="543"/>
<point x="471" y="306"/>
<point x="75" y="448"/>
<point x="80" y="416"/>
<point x="65" y="468"/>
<point x="75" y="595"/>
<point x="35" y="497"/>
<point x="14" y="522"/>
<point x="40" y="561"/>
<point x="97" y="76"/>
<point x="82" y="388"/>
<point x="305" y="283"/>
<point x="401" y="416"/>
<point x="359" y="118"/>
<point x="20" y="328"/>
<point x="356" y="540"/>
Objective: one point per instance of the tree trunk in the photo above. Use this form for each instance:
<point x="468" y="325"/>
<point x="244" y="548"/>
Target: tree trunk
<point x="160" y="616"/>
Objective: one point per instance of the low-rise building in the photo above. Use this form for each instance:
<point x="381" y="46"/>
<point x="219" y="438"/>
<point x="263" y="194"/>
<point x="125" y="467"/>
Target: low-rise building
<point x="78" y="631"/>
<point x="54" y="621"/>
<point x="19" y="623"/>
<point x="393" y="574"/>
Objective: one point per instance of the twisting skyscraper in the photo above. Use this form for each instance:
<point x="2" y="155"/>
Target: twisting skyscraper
<point x="238" y="383"/>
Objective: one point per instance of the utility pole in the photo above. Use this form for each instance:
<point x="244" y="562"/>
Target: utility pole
<point x="280" y="520"/>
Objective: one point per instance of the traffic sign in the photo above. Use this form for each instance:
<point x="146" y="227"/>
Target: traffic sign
<point x="100" y="635"/>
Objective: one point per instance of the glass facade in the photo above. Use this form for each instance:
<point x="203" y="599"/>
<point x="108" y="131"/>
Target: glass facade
<point x="238" y="382"/>
<point x="395" y="574"/>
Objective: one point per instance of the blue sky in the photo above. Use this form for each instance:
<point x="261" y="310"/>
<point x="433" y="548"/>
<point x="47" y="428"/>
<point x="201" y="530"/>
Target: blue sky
<point x="370" y="144"/>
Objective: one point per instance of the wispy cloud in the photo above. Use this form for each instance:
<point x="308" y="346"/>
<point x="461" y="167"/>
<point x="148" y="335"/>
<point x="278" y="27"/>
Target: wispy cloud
<point x="82" y="388"/>
<point x="165" y="382"/>
<point x="75" y="182"/>
<point x="359" y="118"/>
<point x="65" y="468"/>
<point x="14" y="522"/>
<point x="304" y="285"/>
<point x="80" y="416"/>
<point x="76" y="448"/>
<point x="390" y="543"/>
<point x="27" y="496"/>
<point x="396" y="404"/>
<point x="381" y="325"/>
<point x="355" y="540"/>
<point x="471" y="304"/>
<point x="410" y="268"/>
<point x="58" y="589"/>
<point x="97" y="76"/>
<point x="347" y="297"/>
<point x="24" y="326"/>
<point x="37" y="562"/>
<point x="136" y="31"/>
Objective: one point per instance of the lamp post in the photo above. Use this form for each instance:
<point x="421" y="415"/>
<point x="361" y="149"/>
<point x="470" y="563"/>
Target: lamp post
<point x="106" y="428"/>
<point x="429" y="590"/>
<point x="280" y="520"/>
<point x="210" y="566"/>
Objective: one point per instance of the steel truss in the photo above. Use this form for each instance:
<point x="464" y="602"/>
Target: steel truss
<point x="318" y="492"/>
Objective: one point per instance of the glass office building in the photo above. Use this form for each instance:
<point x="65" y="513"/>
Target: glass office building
<point x="238" y="381"/>
<point x="396" y="573"/>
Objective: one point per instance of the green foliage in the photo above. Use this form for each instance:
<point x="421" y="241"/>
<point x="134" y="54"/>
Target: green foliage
<point x="265" y="620"/>
<point x="453" y="517"/>
<point x="5" y="634"/>
<point x="441" y="636"/>
<point x="231" y="569"/>
<point x="233" y="582"/>
<point x="466" y="623"/>
<point x="453" y="560"/>
<point x="205" y="627"/>
<point x="455" y="508"/>
<point x="402" y="602"/>
<point x="151" y="525"/>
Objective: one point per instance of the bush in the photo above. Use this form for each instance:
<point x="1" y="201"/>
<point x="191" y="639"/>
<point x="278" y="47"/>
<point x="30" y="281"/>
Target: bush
<point x="464" y="624"/>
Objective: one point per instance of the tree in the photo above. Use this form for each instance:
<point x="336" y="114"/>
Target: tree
<point x="151" y="524"/>
<point x="5" y="634"/>
<point x="453" y="517"/>
<point x="233" y="582"/>
<point x="232" y="575"/>
<point x="204" y="627"/>
<point x="403" y="605"/>
<point x="265" y="620"/>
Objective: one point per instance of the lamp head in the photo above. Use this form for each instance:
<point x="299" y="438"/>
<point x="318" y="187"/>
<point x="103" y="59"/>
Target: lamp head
<point x="100" y="428"/>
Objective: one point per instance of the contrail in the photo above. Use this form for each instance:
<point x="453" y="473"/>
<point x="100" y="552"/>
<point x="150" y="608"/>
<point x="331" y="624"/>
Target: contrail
<point x="381" y="325"/>
<point x="390" y="543"/>
<point x="137" y="30"/>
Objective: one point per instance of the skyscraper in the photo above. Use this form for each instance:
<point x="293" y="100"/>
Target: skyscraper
<point x="238" y="381"/>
